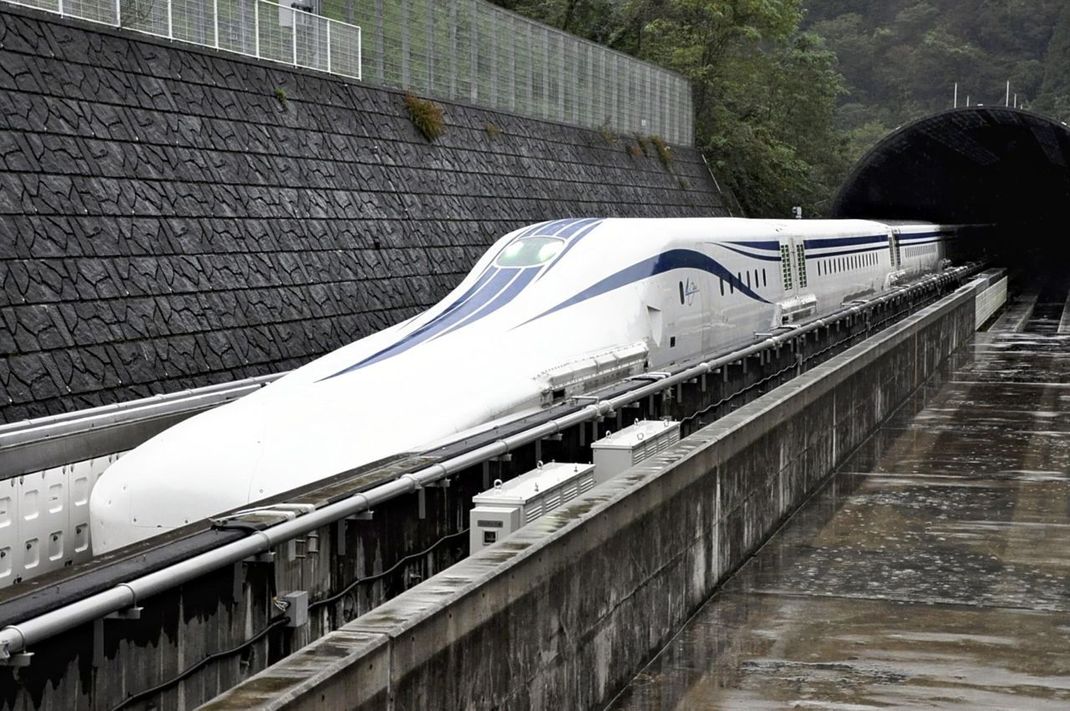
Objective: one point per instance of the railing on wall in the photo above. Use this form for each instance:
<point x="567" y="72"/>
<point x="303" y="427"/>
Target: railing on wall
<point x="477" y="53"/>
<point x="464" y="50"/>
<point x="257" y="28"/>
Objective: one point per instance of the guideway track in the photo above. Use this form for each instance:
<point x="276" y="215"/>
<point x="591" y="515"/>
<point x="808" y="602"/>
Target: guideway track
<point x="36" y="625"/>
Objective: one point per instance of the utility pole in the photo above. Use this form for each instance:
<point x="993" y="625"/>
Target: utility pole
<point x="956" y="95"/>
<point x="1007" y="100"/>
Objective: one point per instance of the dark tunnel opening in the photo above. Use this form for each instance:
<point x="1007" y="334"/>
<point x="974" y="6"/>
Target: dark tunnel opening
<point x="1005" y="170"/>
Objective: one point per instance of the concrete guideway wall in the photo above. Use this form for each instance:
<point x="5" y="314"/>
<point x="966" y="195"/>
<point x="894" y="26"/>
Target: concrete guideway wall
<point x="173" y="217"/>
<point x="562" y="613"/>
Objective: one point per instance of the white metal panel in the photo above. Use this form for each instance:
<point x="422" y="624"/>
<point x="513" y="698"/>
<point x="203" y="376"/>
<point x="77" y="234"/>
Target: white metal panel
<point x="44" y="518"/>
<point x="10" y="542"/>
<point x="529" y="496"/>
<point x="490" y="524"/>
<point x="622" y="450"/>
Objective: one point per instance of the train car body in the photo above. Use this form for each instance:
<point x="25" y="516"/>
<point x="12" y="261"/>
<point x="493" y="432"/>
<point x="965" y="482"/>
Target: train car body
<point x="550" y="311"/>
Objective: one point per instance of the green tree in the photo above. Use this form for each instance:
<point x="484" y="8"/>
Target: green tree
<point x="764" y="97"/>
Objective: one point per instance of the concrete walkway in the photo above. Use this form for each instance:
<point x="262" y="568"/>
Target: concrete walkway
<point x="933" y="571"/>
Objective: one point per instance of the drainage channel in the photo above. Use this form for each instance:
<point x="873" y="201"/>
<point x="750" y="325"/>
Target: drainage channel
<point x="1048" y="311"/>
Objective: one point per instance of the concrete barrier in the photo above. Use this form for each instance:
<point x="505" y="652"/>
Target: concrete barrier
<point x="562" y="613"/>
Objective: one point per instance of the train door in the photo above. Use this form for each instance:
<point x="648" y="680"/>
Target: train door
<point x="798" y="301"/>
<point x="894" y="250"/>
<point x="789" y="268"/>
<point x="676" y="313"/>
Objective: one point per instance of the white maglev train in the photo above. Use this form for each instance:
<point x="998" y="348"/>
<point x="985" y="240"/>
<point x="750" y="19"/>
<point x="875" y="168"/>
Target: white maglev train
<point x="549" y="311"/>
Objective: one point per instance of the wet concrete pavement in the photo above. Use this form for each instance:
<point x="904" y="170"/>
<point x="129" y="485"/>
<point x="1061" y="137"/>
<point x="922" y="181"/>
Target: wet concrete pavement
<point x="932" y="571"/>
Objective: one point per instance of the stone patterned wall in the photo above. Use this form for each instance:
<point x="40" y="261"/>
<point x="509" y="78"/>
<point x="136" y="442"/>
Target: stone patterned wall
<point x="172" y="217"/>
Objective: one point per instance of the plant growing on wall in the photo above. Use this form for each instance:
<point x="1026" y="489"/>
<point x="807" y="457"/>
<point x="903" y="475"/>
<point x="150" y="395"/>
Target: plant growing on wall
<point x="280" y="96"/>
<point x="663" y="151"/>
<point x="426" y="116"/>
<point x="608" y="135"/>
<point x="640" y="140"/>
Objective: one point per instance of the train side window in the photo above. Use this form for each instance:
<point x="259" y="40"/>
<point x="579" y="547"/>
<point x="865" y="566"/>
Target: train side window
<point x="748" y="278"/>
<point x="731" y="287"/>
<point x="764" y="282"/>
<point x="721" y="279"/>
<point x="681" y="292"/>
<point x="755" y="278"/>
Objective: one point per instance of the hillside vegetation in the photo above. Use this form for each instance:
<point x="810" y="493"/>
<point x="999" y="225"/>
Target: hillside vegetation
<point x="901" y="58"/>
<point x="789" y="93"/>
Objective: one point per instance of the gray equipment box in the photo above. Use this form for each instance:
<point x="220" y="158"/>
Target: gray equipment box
<point x="517" y="502"/>
<point x="622" y="450"/>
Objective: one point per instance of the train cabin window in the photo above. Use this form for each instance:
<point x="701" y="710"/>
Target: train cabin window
<point x="530" y="251"/>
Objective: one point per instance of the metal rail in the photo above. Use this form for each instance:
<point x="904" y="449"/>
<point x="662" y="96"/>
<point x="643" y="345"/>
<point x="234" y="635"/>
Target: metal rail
<point x="18" y="637"/>
<point x="32" y="445"/>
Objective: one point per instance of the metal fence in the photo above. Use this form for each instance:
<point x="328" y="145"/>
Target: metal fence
<point x="464" y="50"/>
<point x="477" y="53"/>
<point x="257" y="28"/>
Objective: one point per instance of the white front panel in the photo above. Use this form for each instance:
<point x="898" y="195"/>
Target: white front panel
<point x="44" y="519"/>
<point x="488" y="525"/>
<point x="10" y="543"/>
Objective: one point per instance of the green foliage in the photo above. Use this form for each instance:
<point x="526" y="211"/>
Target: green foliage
<point x="426" y="116"/>
<point x="663" y="151"/>
<point x="644" y="148"/>
<point x="764" y="94"/>
<point x="492" y="130"/>
<point x="902" y="59"/>
<point x="764" y="91"/>
<point x="775" y="117"/>
<point x="608" y="134"/>
<point x="280" y="96"/>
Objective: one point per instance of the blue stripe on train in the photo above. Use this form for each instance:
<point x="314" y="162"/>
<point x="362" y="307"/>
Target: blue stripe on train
<point x="652" y="266"/>
<point x="494" y="288"/>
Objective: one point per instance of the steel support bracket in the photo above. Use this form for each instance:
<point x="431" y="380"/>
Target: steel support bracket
<point x="129" y="613"/>
<point x="17" y="660"/>
<point x="265" y="557"/>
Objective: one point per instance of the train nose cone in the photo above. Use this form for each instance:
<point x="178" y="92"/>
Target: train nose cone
<point x="185" y="474"/>
<point x="110" y="523"/>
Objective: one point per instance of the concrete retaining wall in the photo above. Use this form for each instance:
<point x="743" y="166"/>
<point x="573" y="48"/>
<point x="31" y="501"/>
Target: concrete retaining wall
<point x="172" y="217"/>
<point x="564" y="612"/>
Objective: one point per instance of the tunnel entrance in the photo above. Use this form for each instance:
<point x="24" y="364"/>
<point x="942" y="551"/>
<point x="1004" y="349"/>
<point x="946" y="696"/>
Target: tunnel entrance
<point x="996" y="166"/>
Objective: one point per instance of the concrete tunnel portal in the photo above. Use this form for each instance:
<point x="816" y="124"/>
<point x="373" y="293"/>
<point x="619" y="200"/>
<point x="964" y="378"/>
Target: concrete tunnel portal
<point x="997" y="166"/>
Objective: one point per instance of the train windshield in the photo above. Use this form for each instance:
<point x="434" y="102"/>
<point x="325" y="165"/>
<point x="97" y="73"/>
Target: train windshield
<point x="530" y="252"/>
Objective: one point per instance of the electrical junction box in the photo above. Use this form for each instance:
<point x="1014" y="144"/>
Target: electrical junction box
<point x="620" y="451"/>
<point x="511" y="505"/>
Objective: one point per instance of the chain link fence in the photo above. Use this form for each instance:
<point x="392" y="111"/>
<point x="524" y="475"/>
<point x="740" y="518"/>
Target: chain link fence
<point x="258" y="28"/>
<point x="464" y="50"/>
<point x="477" y="53"/>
